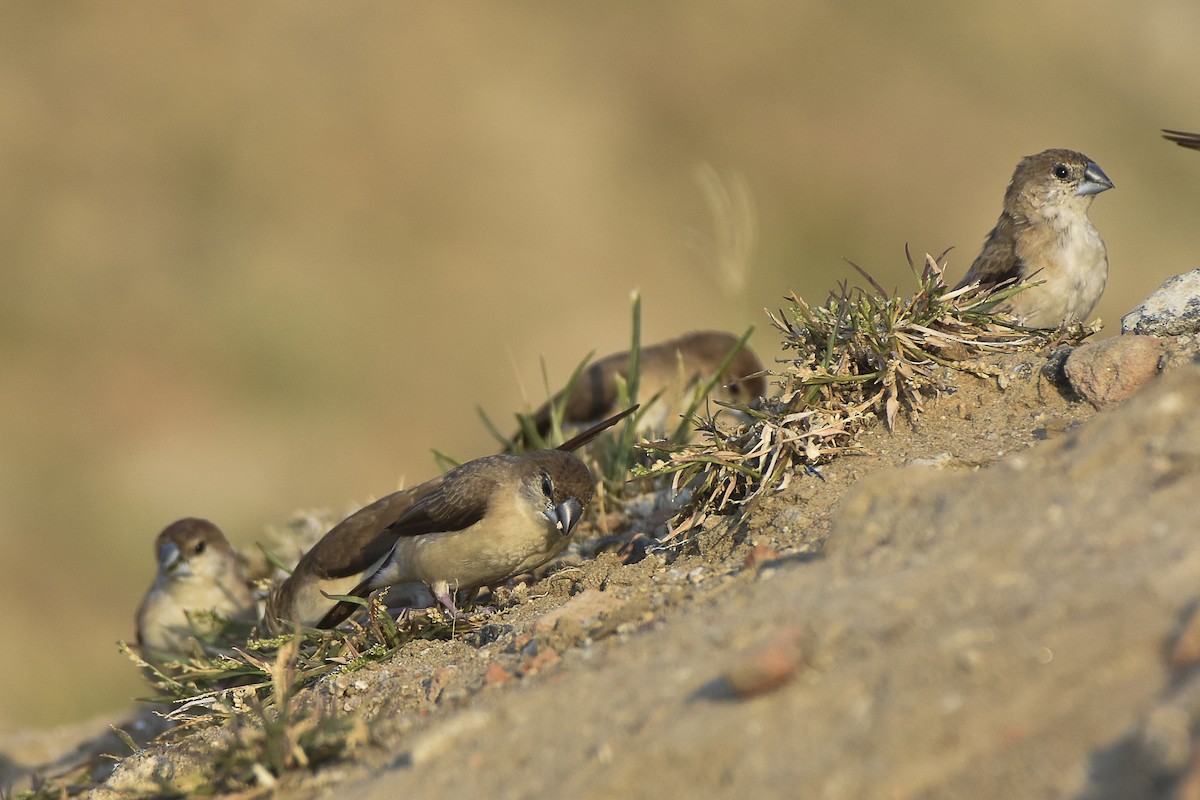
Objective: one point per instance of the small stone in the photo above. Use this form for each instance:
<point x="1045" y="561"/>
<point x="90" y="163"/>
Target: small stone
<point x="583" y="609"/>
<point x="498" y="676"/>
<point x="768" y="668"/>
<point x="1107" y="372"/>
<point x="1173" y="308"/>
<point x="939" y="461"/>
<point x="760" y="555"/>
<point x="543" y="660"/>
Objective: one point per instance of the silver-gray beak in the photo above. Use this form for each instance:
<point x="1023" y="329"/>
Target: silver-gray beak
<point x="1094" y="180"/>
<point x="565" y="515"/>
<point x="170" y="558"/>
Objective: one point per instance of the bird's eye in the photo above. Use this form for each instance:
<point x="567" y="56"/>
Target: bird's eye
<point x="1061" y="172"/>
<point x="547" y="486"/>
<point x="199" y="548"/>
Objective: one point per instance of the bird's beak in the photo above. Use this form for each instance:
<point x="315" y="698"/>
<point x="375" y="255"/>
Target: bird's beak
<point x="1094" y="180"/>
<point x="565" y="515"/>
<point x="170" y="560"/>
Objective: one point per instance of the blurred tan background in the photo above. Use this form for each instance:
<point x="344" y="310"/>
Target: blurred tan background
<point x="263" y="257"/>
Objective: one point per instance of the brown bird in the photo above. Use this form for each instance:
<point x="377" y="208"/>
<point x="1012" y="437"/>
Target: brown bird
<point x="1044" y="234"/>
<point x="337" y="562"/>
<point x="672" y="370"/>
<point x="1183" y="138"/>
<point x="198" y="571"/>
<point x="488" y="520"/>
<point x="482" y="522"/>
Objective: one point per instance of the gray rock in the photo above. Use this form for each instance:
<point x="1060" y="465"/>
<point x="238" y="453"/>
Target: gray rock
<point x="1173" y="309"/>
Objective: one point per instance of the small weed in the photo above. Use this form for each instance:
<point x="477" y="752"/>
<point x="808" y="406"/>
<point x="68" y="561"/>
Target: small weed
<point x="251" y="697"/>
<point x="274" y="733"/>
<point x="863" y="355"/>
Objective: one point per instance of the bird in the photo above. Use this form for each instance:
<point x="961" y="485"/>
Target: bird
<point x="335" y="564"/>
<point x="482" y="522"/>
<point x="489" y="520"/>
<point x="673" y="370"/>
<point x="198" y="572"/>
<point x="1182" y="138"/>
<point x="1044" y="234"/>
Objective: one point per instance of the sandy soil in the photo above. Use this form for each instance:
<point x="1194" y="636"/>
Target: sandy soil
<point x="981" y="605"/>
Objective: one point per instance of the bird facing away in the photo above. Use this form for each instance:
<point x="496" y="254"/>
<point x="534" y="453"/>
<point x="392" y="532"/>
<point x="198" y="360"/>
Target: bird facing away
<point x="480" y="517"/>
<point x="673" y="370"/>
<point x="1183" y="138"/>
<point x="198" y="571"/>
<point x="1044" y="234"/>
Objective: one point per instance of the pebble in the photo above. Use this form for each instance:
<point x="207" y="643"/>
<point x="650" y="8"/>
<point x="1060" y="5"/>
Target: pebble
<point x="768" y="668"/>
<point x="1107" y="372"/>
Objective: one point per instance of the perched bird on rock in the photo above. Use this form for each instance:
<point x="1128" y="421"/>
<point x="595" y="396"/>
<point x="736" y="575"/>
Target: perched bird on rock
<point x="481" y="523"/>
<point x="198" y="572"/>
<point x="1183" y="138"/>
<point x="1044" y="234"/>
<point x="672" y="370"/>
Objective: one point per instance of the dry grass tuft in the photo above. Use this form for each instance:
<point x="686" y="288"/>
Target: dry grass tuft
<point x="252" y="696"/>
<point x="862" y="356"/>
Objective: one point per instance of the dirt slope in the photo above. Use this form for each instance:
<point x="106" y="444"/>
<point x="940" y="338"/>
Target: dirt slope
<point x="980" y="606"/>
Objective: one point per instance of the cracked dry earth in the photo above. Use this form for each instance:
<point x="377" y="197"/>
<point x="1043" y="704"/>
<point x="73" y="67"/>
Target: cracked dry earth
<point x="980" y="605"/>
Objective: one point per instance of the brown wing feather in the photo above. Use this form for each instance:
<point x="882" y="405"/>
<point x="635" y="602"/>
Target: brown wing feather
<point x="998" y="260"/>
<point x="365" y="537"/>
<point x="456" y="503"/>
<point x="351" y="547"/>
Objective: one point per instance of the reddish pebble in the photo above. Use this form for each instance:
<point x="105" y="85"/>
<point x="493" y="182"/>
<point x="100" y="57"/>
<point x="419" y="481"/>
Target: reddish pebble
<point x="498" y="675"/>
<point x="1113" y="370"/>
<point x="542" y="660"/>
<point x="769" y="667"/>
<point x="761" y="554"/>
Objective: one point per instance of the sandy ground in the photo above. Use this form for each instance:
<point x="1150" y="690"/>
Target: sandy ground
<point x="981" y="605"/>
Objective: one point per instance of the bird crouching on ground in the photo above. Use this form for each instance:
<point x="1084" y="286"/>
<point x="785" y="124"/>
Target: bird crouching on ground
<point x="489" y="520"/>
<point x="482" y="522"/>
<point x="198" y="573"/>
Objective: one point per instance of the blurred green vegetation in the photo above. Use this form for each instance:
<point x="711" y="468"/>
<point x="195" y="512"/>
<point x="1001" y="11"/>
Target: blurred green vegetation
<point x="264" y="257"/>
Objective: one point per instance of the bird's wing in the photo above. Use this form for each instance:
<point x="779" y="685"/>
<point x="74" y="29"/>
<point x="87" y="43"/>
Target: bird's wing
<point x="998" y="261"/>
<point x="448" y="507"/>
<point x="366" y="536"/>
<point x="1183" y="138"/>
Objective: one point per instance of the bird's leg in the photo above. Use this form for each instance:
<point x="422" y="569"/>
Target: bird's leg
<point x="441" y="591"/>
